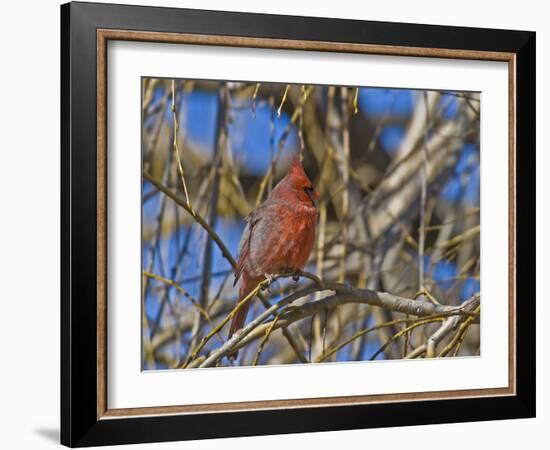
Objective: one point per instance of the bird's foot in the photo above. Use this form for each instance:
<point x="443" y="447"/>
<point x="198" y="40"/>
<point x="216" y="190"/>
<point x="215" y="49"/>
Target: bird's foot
<point x="296" y="275"/>
<point x="292" y="272"/>
<point x="270" y="278"/>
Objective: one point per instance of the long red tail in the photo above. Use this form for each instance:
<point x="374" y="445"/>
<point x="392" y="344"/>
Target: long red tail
<point x="239" y="319"/>
<point x="247" y="285"/>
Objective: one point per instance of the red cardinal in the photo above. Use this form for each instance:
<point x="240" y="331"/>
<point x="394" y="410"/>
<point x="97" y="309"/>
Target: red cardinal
<point x="278" y="237"/>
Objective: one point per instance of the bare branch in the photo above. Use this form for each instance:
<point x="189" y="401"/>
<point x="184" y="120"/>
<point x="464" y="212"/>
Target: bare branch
<point x="343" y="294"/>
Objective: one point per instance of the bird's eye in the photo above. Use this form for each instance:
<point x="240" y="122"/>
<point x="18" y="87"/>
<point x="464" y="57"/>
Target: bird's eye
<point x="310" y="192"/>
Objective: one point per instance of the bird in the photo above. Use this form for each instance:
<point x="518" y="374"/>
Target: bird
<point x="278" y="237"/>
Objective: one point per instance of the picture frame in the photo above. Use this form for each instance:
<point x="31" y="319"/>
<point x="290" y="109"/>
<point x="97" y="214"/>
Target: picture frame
<point x="86" y="28"/>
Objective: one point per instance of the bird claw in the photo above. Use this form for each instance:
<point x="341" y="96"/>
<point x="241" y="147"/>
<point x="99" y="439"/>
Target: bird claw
<point x="296" y="276"/>
<point x="270" y="278"/>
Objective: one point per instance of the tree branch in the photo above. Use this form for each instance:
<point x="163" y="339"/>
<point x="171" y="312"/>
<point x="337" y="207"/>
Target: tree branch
<point x="389" y="302"/>
<point x="174" y="197"/>
<point x="343" y="294"/>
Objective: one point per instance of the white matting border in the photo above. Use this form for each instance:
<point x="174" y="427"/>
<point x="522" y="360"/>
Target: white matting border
<point x="128" y="387"/>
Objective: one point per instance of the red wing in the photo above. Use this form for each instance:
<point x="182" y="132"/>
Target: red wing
<point x="264" y="239"/>
<point x="263" y="226"/>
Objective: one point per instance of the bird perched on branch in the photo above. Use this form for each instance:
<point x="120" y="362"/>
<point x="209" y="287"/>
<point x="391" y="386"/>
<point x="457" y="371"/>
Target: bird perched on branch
<point x="278" y="237"/>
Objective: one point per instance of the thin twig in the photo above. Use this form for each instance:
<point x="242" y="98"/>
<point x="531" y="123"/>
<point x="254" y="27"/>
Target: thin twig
<point x="200" y="220"/>
<point x="401" y="333"/>
<point x="264" y="340"/>
<point x="282" y="141"/>
<point x="355" y="98"/>
<point x="369" y="330"/>
<point x="459" y="336"/>
<point x="283" y="100"/>
<point x="175" y="144"/>
<point x="234" y="311"/>
<point x="180" y="289"/>
<point x="256" y="89"/>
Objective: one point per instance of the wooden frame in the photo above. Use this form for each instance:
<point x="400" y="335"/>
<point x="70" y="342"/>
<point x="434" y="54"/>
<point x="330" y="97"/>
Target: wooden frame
<point x="86" y="28"/>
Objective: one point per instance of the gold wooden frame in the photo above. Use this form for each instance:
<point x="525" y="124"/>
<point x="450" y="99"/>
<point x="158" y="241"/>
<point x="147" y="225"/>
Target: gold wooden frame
<point x="103" y="36"/>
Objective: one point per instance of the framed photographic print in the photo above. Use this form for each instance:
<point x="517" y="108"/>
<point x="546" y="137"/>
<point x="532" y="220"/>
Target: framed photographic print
<point x="276" y="224"/>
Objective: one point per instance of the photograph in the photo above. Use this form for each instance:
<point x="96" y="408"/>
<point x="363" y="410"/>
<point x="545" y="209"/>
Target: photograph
<point x="275" y="223"/>
<point x="301" y="224"/>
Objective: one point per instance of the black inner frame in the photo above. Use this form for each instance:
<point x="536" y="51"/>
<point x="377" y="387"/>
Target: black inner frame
<point x="79" y="423"/>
